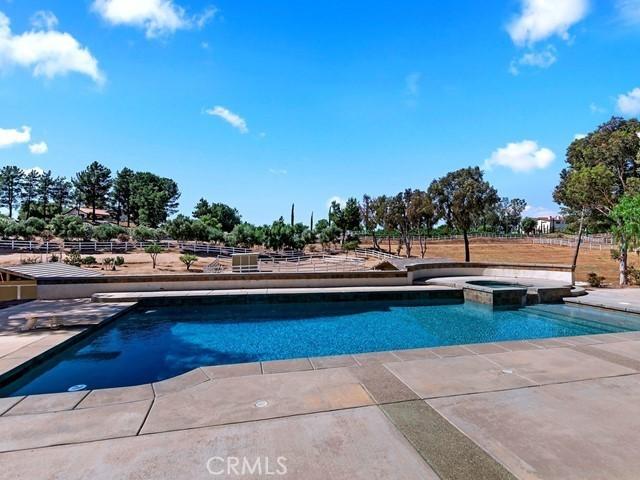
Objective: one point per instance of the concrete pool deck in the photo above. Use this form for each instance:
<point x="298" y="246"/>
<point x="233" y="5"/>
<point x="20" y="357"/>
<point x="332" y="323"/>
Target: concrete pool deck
<point x="553" y="408"/>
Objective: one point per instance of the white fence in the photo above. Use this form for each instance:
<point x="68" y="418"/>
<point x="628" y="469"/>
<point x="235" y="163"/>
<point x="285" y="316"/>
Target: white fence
<point x="370" y="252"/>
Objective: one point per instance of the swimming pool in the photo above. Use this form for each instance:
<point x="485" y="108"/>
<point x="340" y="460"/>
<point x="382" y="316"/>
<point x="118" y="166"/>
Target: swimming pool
<point x="152" y="344"/>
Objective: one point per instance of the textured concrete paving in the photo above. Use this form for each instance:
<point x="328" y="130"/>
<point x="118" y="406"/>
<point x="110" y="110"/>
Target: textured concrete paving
<point x="579" y="430"/>
<point x="358" y="444"/>
<point x="486" y="417"/>
<point x="233" y="400"/>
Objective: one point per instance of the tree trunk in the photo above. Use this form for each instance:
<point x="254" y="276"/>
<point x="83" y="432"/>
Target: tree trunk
<point x="579" y="241"/>
<point x="467" y="255"/>
<point x="389" y="242"/>
<point x="624" y="281"/>
<point x="374" y="240"/>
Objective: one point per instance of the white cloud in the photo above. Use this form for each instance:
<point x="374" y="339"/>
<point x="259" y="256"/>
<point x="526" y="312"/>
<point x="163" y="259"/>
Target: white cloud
<point x="629" y="11"/>
<point x="521" y="157"/>
<point x="337" y="199"/>
<point x="38" y="170"/>
<point x="277" y="171"/>
<point x="48" y="52"/>
<point x="579" y="136"/>
<point x="156" y="17"/>
<point x="535" y="212"/>
<point x="412" y="84"/>
<point x="542" y="19"/>
<point x="13" y="136"/>
<point x="540" y="59"/>
<point x="39" y="148"/>
<point x="44" y="20"/>
<point x="594" y="108"/>
<point x="629" y="103"/>
<point x="228" y="116"/>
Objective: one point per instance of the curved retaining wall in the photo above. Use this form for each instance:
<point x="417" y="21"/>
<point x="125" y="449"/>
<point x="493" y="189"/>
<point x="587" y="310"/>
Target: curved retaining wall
<point x="559" y="273"/>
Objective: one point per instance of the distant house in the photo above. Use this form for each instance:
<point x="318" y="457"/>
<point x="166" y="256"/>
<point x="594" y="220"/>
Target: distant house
<point x="550" y="224"/>
<point x="86" y="214"/>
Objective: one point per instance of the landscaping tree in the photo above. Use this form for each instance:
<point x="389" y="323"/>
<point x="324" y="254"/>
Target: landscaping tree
<point x="45" y="192"/>
<point x="154" y="199"/>
<point x="154" y="250"/>
<point x="369" y="218"/>
<point x="510" y="213"/>
<point x="602" y="168"/>
<point x="10" y="187"/>
<point x="528" y="225"/>
<point x="92" y="185"/>
<point x="245" y="235"/>
<point x="217" y="214"/>
<point x="122" y="195"/>
<point x="421" y="215"/>
<point x="347" y="218"/>
<point x="30" y="184"/>
<point x="188" y="259"/>
<point x="61" y="194"/>
<point x="68" y="227"/>
<point x="460" y="198"/>
<point x="626" y="222"/>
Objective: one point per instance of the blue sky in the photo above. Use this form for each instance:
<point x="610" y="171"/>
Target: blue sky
<point x="262" y="104"/>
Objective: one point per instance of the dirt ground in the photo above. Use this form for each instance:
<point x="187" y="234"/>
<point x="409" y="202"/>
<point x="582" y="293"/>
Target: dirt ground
<point x="522" y="251"/>
<point x="481" y="250"/>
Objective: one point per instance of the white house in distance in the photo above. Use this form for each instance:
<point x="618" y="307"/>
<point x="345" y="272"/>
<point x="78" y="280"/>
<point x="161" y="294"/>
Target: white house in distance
<point x="550" y="224"/>
<point x="86" y="214"/>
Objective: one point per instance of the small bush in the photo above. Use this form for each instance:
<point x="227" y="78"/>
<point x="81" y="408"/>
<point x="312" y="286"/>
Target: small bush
<point x="634" y="275"/>
<point x="118" y="261"/>
<point x="154" y="250"/>
<point x="29" y="260"/>
<point x="73" y="258"/>
<point x="188" y="259"/>
<point x="595" y="280"/>
<point x="89" y="260"/>
<point x="54" y="258"/>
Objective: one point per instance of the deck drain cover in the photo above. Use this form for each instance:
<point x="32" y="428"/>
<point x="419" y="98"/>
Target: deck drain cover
<point x="261" y="403"/>
<point x="77" y="388"/>
<point x="507" y="371"/>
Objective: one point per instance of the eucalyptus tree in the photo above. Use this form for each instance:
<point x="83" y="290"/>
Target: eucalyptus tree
<point x="601" y="168"/>
<point x="10" y="187"/>
<point x="460" y="198"/>
<point x="369" y="219"/>
<point x="347" y="218"/>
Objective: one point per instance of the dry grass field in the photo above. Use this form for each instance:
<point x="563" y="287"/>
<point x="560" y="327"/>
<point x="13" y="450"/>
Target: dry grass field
<point x="522" y="251"/>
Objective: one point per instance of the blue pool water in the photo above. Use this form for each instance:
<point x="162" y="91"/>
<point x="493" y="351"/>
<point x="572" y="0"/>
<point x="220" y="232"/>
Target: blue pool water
<point x="153" y="344"/>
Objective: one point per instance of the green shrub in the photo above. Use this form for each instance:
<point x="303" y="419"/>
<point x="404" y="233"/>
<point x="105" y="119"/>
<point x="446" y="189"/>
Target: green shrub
<point x="154" y="250"/>
<point x="73" y="258"/>
<point x="188" y="259"/>
<point x="89" y="260"/>
<point x="118" y="261"/>
<point x="634" y="275"/>
<point x="595" y="280"/>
